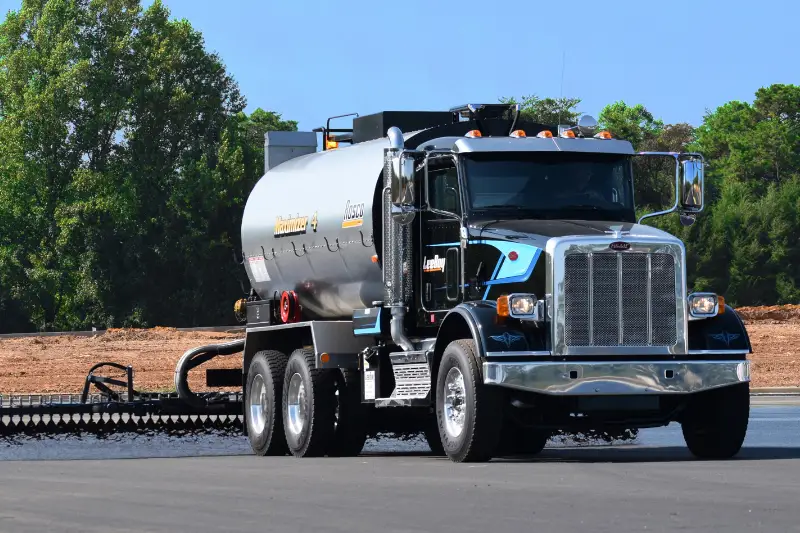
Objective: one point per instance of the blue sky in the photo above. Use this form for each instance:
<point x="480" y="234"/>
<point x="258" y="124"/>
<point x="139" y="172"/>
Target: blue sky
<point x="310" y="59"/>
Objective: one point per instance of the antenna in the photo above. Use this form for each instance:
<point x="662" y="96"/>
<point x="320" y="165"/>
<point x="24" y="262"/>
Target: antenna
<point x="561" y="96"/>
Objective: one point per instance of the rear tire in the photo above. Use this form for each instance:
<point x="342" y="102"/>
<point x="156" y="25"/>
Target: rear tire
<point x="263" y="403"/>
<point x="468" y="412"/>
<point x="716" y="421"/>
<point x="309" y="405"/>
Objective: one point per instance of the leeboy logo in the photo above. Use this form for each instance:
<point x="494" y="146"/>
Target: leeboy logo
<point x="620" y="246"/>
<point x="353" y="215"/>
<point x="433" y="265"/>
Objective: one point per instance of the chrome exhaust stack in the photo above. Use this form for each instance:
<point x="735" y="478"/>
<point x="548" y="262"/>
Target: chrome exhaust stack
<point x="396" y="243"/>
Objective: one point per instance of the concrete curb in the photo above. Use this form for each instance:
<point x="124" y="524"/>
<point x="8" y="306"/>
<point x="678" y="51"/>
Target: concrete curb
<point x="775" y="391"/>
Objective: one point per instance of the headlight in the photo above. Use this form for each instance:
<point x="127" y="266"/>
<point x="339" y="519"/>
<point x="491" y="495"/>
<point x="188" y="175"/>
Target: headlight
<point x="522" y="306"/>
<point x="705" y="304"/>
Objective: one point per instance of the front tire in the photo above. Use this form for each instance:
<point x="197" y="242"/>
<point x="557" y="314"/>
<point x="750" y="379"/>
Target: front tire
<point x="716" y="421"/>
<point x="309" y="405"/>
<point x="263" y="403"/>
<point x="467" y="411"/>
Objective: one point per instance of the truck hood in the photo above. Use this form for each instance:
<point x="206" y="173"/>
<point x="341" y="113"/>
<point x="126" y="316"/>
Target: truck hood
<point x="537" y="232"/>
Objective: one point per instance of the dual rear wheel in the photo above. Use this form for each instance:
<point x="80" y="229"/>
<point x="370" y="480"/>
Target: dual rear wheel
<point x="294" y="407"/>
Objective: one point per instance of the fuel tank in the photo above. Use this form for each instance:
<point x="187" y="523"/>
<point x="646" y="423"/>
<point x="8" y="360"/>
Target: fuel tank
<point x="313" y="225"/>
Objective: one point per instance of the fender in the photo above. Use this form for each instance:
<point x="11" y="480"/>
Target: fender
<point x="490" y="332"/>
<point x="722" y="332"/>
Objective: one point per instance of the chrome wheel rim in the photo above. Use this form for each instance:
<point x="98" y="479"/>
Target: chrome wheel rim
<point x="455" y="396"/>
<point x="296" y="404"/>
<point x="259" y="407"/>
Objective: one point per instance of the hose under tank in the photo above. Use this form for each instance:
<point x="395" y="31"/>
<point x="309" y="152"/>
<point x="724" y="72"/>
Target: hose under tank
<point x="195" y="357"/>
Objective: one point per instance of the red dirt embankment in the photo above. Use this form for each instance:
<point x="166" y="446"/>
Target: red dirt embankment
<point x="59" y="364"/>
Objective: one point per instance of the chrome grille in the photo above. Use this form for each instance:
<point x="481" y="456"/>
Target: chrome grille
<point x="620" y="299"/>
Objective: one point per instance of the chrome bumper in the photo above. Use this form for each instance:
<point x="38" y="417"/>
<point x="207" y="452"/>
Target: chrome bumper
<point x="618" y="377"/>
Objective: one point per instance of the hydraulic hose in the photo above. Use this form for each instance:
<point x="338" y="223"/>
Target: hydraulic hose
<point x="196" y="357"/>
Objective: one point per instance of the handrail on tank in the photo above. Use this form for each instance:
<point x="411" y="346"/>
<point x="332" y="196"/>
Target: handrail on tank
<point x="235" y="258"/>
<point x="264" y="255"/>
<point x="372" y="239"/>
<point x="338" y="246"/>
<point x="295" y="250"/>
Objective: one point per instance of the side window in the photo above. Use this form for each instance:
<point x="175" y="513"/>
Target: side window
<point x="443" y="193"/>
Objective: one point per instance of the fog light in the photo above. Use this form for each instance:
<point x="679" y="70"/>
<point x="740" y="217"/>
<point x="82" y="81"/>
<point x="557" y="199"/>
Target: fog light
<point x="703" y="304"/>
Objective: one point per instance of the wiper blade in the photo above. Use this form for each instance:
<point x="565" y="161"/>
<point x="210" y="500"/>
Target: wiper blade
<point x="503" y="206"/>
<point x="591" y="207"/>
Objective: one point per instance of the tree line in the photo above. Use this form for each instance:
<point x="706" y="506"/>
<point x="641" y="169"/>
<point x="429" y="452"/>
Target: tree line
<point x="126" y="158"/>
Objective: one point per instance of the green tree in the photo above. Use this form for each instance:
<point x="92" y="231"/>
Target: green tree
<point x="126" y="162"/>
<point x="549" y="111"/>
<point x="632" y="123"/>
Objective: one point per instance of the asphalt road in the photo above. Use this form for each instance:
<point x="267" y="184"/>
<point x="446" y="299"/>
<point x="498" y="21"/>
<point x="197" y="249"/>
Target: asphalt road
<point x="654" y="486"/>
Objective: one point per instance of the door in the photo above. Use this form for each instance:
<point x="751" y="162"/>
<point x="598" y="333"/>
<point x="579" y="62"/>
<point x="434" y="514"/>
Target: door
<point x="441" y="287"/>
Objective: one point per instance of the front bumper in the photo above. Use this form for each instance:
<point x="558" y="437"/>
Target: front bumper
<point x="589" y="378"/>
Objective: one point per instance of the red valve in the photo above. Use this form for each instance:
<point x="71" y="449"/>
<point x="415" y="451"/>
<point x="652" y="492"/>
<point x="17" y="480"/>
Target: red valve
<point x="290" y="307"/>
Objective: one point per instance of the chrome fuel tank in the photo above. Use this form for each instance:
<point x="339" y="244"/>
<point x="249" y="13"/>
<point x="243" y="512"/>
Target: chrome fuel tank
<point x="311" y="225"/>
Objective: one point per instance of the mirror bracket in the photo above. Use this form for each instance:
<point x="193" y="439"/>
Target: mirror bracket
<point x="689" y="185"/>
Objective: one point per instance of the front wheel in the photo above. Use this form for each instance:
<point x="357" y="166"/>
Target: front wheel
<point x="716" y="421"/>
<point x="468" y="412"/>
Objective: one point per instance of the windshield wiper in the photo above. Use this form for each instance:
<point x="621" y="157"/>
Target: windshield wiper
<point x="503" y="206"/>
<point x="519" y="210"/>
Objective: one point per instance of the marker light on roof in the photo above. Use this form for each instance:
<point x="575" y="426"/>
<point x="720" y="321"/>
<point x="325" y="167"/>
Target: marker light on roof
<point x="569" y="134"/>
<point x="603" y="135"/>
<point x="518" y="133"/>
<point x="473" y="133"/>
<point x="545" y="134"/>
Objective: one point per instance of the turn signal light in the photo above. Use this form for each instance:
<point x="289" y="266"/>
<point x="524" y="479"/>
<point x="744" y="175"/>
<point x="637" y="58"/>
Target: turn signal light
<point x="721" y="304"/>
<point x="545" y="134"/>
<point x="502" y="306"/>
<point x="331" y="145"/>
<point x="473" y="133"/>
<point x="518" y="133"/>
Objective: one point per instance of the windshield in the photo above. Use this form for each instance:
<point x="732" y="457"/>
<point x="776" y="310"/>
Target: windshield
<point x="551" y="185"/>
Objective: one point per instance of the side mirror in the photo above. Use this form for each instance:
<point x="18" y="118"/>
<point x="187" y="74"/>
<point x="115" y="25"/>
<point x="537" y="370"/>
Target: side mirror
<point x="692" y="185"/>
<point x="403" y="183"/>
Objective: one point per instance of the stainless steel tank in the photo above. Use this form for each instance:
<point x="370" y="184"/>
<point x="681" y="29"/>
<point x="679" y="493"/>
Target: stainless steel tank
<point x="311" y="225"/>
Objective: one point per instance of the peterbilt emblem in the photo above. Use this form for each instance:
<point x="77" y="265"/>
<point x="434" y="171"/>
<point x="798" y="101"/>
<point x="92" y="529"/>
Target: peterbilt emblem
<point x="620" y="246"/>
